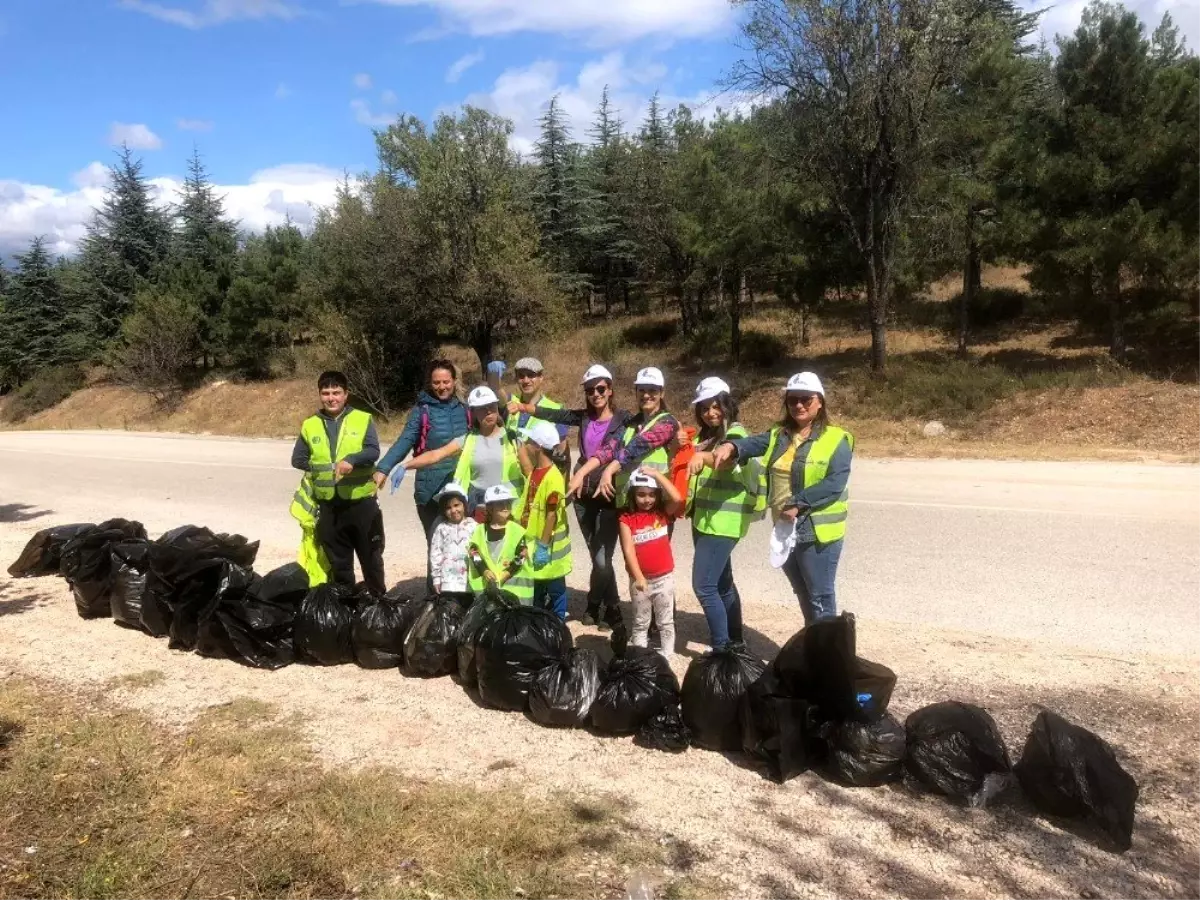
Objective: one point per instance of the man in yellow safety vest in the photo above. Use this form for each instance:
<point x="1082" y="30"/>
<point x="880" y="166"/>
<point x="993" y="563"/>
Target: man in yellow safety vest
<point x="337" y="449"/>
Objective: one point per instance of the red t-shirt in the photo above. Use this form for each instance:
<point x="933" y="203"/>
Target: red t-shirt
<point x="651" y="543"/>
<point x="535" y="481"/>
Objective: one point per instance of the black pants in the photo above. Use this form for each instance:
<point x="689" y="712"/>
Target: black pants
<point x="428" y="513"/>
<point x="598" y="525"/>
<point x="350" y="528"/>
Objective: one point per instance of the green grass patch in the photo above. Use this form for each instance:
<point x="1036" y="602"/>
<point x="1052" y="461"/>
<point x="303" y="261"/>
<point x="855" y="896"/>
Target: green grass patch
<point x="47" y="388"/>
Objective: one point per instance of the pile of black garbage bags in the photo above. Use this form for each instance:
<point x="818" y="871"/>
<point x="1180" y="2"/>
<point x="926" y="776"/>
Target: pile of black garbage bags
<point x="817" y="706"/>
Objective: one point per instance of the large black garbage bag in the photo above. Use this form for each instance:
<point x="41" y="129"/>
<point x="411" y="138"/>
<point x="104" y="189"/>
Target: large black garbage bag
<point x="380" y="629"/>
<point x="324" y="630"/>
<point x="87" y="564"/>
<point x="562" y="693"/>
<point x="202" y="542"/>
<point x="818" y="665"/>
<point x="43" y="552"/>
<point x="1068" y="771"/>
<point x="865" y="754"/>
<point x="429" y="648"/>
<point x="636" y="687"/>
<point x="130" y="563"/>
<point x="712" y="692"/>
<point x="954" y="748"/>
<point x="200" y="592"/>
<point x="665" y="731"/>
<point x="778" y="730"/>
<point x="516" y="644"/>
<point x="480" y="613"/>
<point x="255" y="626"/>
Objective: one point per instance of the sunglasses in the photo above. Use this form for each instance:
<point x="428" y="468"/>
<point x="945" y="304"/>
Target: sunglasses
<point x="525" y="373"/>
<point x="801" y="399"/>
<point x="598" y="391"/>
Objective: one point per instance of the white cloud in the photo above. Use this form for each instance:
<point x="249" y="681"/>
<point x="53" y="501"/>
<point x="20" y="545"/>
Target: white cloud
<point x="137" y="136"/>
<point x="461" y="65"/>
<point x="388" y="98"/>
<point x="365" y="115"/>
<point x="270" y="197"/>
<point x="362" y="81"/>
<point x="214" y="12"/>
<point x="194" y="124"/>
<point x="603" y="20"/>
<point x="1063" y="18"/>
<point x="282" y="92"/>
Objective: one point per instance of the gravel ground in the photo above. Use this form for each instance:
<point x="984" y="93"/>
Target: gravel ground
<point x="718" y="817"/>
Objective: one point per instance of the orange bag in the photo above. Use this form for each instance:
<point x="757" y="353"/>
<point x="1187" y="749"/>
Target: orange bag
<point x="679" y="463"/>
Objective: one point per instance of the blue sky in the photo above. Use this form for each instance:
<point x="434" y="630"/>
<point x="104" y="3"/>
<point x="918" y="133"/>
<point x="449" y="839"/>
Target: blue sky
<point x="280" y="95"/>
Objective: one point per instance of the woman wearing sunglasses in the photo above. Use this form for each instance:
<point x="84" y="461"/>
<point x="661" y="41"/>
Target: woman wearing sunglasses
<point x="598" y="422"/>
<point x="805" y="469"/>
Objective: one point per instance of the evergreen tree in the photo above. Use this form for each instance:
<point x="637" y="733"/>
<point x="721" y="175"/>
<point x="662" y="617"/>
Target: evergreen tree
<point x="611" y="249"/>
<point x="557" y="200"/>
<point x="264" y="308"/>
<point x="32" y="328"/>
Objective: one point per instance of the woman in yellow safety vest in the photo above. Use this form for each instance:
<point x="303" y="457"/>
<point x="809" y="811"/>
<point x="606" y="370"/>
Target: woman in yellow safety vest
<point x="805" y="471"/>
<point x="487" y="454"/>
<point x="721" y="505"/>
<point x="647" y="442"/>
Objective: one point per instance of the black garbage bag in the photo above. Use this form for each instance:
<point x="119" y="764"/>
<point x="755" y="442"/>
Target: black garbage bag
<point x="175" y="555"/>
<point x="712" y="692"/>
<point x="778" y="730"/>
<point x="516" y="644"/>
<point x="43" y="552"/>
<point x="955" y="749"/>
<point x="200" y="592"/>
<point x="665" y="731"/>
<point x="636" y="687"/>
<point x="130" y="563"/>
<point x="473" y="622"/>
<point x="1068" y="771"/>
<point x="429" y="648"/>
<point x="818" y="664"/>
<point x="255" y="626"/>
<point x="87" y="564"/>
<point x="324" y="630"/>
<point x="865" y="754"/>
<point x="380" y="629"/>
<point x="562" y="693"/>
<point x="873" y="686"/>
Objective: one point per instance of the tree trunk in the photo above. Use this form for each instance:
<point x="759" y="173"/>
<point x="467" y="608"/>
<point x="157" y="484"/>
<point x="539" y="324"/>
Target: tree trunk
<point x="735" y="320"/>
<point x="481" y="343"/>
<point x="972" y="271"/>
<point x="877" y="306"/>
<point x="805" y="330"/>
<point x="1117" y="347"/>
<point x="750" y="295"/>
<point x="625" y="294"/>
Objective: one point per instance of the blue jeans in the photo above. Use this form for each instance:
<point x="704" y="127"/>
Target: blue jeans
<point x="551" y="594"/>
<point x="598" y="525"/>
<point x="812" y="570"/>
<point x="712" y="582"/>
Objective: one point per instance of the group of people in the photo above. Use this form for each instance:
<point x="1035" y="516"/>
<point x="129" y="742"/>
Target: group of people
<point x="494" y="481"/>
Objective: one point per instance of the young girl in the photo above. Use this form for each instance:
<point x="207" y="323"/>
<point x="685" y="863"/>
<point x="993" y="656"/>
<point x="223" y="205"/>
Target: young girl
<point x="653" y="503"/>
<point x="498" y="553"/>
<point x="448" y="545"/>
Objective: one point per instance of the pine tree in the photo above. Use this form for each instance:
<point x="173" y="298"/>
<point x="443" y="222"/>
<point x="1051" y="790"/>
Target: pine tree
<point x="607" y="233"/>
<point x="557" y="199"/>
<point x="263" y="308"/>
<point x="31" y="332"/>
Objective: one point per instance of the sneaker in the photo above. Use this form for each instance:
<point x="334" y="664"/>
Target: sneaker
<point x="588" y="618"/>
<point x="603" y="626"/>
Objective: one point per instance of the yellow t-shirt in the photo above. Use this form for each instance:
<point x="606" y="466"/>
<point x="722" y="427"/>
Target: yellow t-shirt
<point x="780" y="487"/>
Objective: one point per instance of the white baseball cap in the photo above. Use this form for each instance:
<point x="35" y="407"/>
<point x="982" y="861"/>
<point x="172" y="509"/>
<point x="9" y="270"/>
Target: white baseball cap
<point x="499" y="493"/>
<point x="650" y="377"/>
<point x="709" y="388"/>
<point x="641" y="479"/>
<point x="529" y="364"/>
<point x="482" y="396"/>
<point x="804" y="381"/>
<point x="543" y="434"/>
<point x="451" y="489"/>
<point x="596" y="373"/>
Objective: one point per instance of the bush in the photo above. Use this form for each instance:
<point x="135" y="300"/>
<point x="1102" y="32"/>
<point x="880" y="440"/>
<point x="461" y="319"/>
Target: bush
<point x="762" y="351"/>
<point x="605" y="346"/>
<point x="159" y="346"/>
<point x="45" y="389"/>
<point x="653" y="334"/>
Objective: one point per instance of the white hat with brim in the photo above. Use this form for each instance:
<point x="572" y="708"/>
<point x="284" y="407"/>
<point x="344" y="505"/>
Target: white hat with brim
<point x="482" y="396"/>
<point x="596" y="373"/>
<point x="451" y="489"/>
<point x="499" y="493"/>
<point x="804" y="382"/>
<point x="710" y="388"/>
<point x="783" y="541"/>
<point x="650" y="377"/>
<point x="543" y="434"/>
<point x="640" y="479"/>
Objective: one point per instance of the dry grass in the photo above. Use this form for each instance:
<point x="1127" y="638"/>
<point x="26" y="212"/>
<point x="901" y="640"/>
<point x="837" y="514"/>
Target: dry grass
<point x="101" y="803"/>
<point x="136" y="681"/>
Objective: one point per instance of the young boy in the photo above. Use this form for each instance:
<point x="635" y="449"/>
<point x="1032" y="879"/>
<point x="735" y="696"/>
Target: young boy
<point x="497" y="552"/>
<point x="644" y="525"/>
<point x="448" y="545"/>
<point x="542" y="512"/>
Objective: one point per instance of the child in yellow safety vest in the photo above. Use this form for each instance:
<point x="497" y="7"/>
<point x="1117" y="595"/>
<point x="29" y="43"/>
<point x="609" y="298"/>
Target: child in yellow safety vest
<point x="542" y="512"/>
<point x="498" y="553"/>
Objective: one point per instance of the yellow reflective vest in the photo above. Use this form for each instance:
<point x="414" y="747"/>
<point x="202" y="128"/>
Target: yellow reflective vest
<point x="520" y="585"/>
<point x="829" y="521"/>
<point x="723" y="502"/>
<point x="560" y="543"/>
<point x="658" y="459"/>
<point x="358" y="485"/>
<point x="466" y="459"/>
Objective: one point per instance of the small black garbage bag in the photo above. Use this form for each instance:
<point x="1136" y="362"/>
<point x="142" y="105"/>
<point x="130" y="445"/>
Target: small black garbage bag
<point x="429" y="647"/>
<point x="43" y="552"/>
<point x="1068" y="771"/>
<point x="516" y="644"/>
<point x="873" y="686"/>
<point x="130" y="562"/>
<point x="480" y="613"/>
<point x="562" y="693"/>
<point x="87" y="564"/>
<point x="636" y="687"/>
<point x="712" y="692"/>
<point x="865" y="754"/>
<point x="255" y="626"/>
<point x="956" y="749"/>
<point x="665" y="731"/>
<point x="324" y="629"/>
<point x="380" y="629"/>
<point x="778" y="730"/>
<point x="818" y="664"/>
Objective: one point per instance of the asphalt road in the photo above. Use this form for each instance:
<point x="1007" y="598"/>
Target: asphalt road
<point x="1087" y="555"/>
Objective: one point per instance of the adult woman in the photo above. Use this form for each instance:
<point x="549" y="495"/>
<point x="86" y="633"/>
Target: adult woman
<point x="487" y="454"/>
<point x="438" y="419"/>
<point x="806" y="469"/>
<point x="721" y="509"/>
<point x="597" y="422"/>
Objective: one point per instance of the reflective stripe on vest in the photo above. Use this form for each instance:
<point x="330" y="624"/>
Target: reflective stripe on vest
<point x="520" y="584"/>
<point x="304" y="503"/>
<point x="560" y="543"/>
<point x="829" y="521"/>
<point x="351" y="433"/>
<point x="720" y="501"/>
<point x="514" y="419"/>
<point x="466" y="458"/>
<point x="657" y="459"/>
